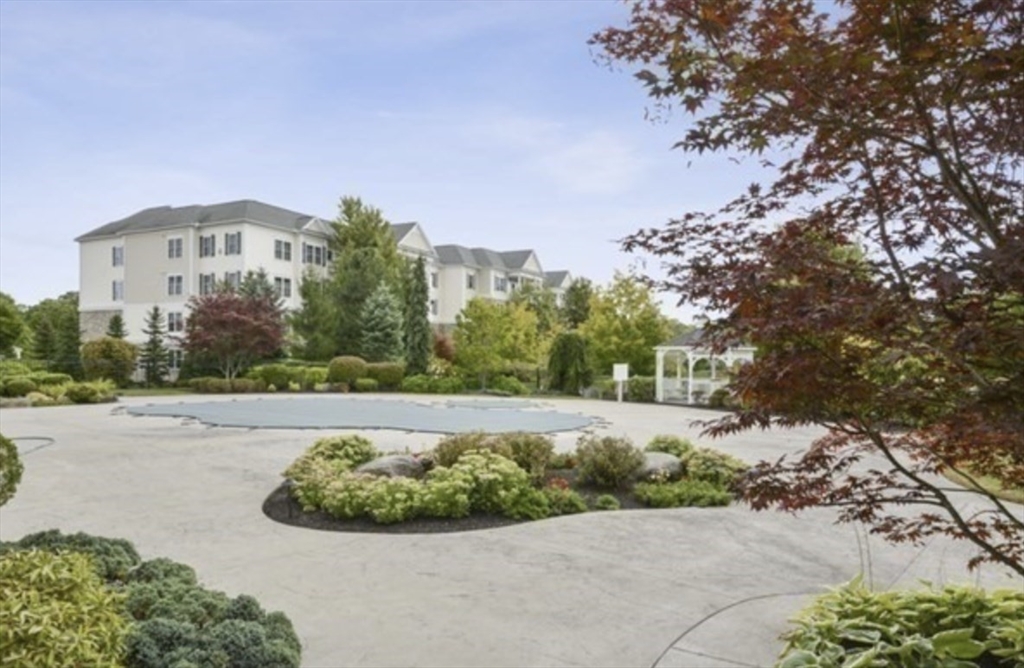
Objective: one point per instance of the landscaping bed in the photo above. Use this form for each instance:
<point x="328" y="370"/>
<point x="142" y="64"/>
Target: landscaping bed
<point x="482" y="481"/>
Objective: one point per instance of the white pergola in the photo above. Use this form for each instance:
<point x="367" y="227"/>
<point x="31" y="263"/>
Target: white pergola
<point x="691" y="347"/>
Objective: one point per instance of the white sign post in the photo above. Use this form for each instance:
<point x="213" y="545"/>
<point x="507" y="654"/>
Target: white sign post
<point x="620" y="374"/>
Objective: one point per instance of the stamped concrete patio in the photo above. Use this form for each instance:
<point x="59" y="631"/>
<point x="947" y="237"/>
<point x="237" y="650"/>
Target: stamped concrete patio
<point x="671" y="588"/>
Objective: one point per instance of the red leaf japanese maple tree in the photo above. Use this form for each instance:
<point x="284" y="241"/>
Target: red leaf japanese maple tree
<point x="879" y="267"/>
<point x="233" y="329"/>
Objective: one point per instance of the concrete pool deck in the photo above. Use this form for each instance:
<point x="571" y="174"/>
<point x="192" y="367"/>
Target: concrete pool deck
<point x="673" y="588"/>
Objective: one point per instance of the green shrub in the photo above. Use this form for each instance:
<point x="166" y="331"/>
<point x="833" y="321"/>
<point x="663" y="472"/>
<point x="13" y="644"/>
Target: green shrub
<point x="531" y="452"/>
<point x="681" y="493"/>
<point x="245" y="385"/>
<point x="9" y="368"/>
<point x="607" y="461"/>
<point x="346" y="451"/>
<point x="640" y="389"/>
<point x="418" y="384"/>
<point x="564" y="501"/>
<point x="604" y="388"/>
<point x="95" y="392"/>
<point x="450" y="448"/>
<point x="498" y="482"/>
<point x="713" y="466"/>
<point x="42" y="378"/>
<point x="313" y="376"/>
<point x="162" y="569"/>
<point x="344" y="495"/>
<point x="390" y="500"/>
<point x="446" y="493"/>
<point x="113" y="558"/>
<point x="562" y="460"/>
<point x="277" y="375"/>
<point x="55" y="610"/>
<point x="606" y="502"/>
<point x="210" y="385"/>
<point x="526" y="503"/>
<point x="672" y="445"/>
<point x="346" y="369"/>
<point x="177" y="623"/>
<point x="19" y="386"/>
<point x="509" y="384"/>
<point x="720" y="398"/>
<point x="365" y="385"/>
<point x="110" y="358"/>
<point x="388" y="375"/>
<point x="448" y="385"/>
<point x="11" y="469"/>
<point x="955" y="626"/>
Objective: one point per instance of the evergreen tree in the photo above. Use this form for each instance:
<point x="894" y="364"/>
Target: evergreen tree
<point x="358" y="273"/>
<point x="56" y="334"/>
<point x="381" y="327"/>
<point x="256" y="285"/>
<point x="12" y="324"/>
<point x="154" y="353"/>
<point x="418" y="336"/>
<point x="115" y="328"/>
<point x="315" y="322"/>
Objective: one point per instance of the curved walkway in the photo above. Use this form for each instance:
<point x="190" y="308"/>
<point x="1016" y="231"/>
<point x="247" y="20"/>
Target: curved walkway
<point x="672" y="588"/>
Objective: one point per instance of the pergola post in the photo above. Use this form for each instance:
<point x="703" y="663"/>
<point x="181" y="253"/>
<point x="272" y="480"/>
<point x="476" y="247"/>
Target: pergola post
<point x="659" y="373"/>
<point x="689" y="380"/>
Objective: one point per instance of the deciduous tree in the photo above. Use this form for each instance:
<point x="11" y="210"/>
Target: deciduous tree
<point x="109" y="357"/>
<point x="625" y="325"/>
<point x="576" y="302"/>
<point x="896" y="127"/>
<point x="490" y="335"/>
<point x="233" y="329"/>
<point x="12" y="325"/>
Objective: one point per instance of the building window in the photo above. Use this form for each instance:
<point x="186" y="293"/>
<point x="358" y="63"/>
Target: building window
<point x="233" y="243"/>
<point x="282" y="250"/>
<point x="117" y="289"/>
<point x="500" y="284"/>
<point x="471" y="281"/>
<point x="433" y="279"/>
<point x="117" y="258"/>
<point x="283" y="287"/>
<point x="307" y="253"/>
<point x="208" y="245"/>
<point x="433" y="307"/>
<point x="318" y="255"/>
<point x="175" y="285"/>
<point x="174" y="358"/>
<point x="174" y="246"/>
<point x="175" y="321"/>
<point x="207" y="284"/>
<point x="233" y="279"/>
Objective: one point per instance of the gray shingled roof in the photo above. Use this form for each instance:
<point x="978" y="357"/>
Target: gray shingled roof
<point x="161" y="217"/>
<point x="400" y="230"/>
<point x="485" y="257"/>
<point x="554" y="279"/>
<point x="455" y="254"/>
<point x="516" y="259"/>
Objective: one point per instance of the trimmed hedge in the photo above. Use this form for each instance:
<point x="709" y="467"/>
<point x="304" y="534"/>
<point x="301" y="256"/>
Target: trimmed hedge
<point x="346" y="369"/>
<point x="365" y="385"/>
<point x="389" y="375"/>
<point x="11" y="469"/>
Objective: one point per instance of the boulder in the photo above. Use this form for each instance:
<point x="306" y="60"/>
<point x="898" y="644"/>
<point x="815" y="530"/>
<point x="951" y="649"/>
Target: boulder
<point x="393" y="466"/>
<point x="660" y="465"/>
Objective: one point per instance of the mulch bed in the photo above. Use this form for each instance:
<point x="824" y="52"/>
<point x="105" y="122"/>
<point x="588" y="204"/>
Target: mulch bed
<point x="281" y="507"/>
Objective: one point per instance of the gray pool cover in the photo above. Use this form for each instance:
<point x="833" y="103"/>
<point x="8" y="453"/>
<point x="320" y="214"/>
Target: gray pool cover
<point x="344" y="413"/>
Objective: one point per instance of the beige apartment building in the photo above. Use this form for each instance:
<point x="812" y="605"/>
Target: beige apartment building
<point x="163" y="255"/>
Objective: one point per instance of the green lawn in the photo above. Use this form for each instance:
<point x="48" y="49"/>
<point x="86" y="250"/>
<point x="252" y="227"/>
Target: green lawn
<point x="990" y="484"/>
<point x="152" y="391"/>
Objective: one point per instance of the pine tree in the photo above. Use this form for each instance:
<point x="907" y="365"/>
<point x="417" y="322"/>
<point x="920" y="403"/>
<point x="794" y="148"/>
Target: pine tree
<point x="315" y="322"/>
<point x="154" y="353"/>
<point x="115" y="328"/>
<point x="357" y="275"/>
<point x="381" y="327"/>
<point x="418" y="336"/>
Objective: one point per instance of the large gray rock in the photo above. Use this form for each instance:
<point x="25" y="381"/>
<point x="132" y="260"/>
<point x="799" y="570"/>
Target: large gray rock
<point x="660" y="465"/>
<point x="393" y="466"/>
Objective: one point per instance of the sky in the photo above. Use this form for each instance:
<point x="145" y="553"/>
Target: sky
<point x="490" y="123"/>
